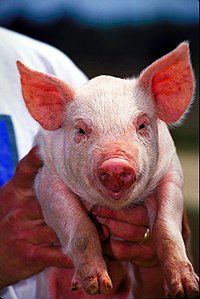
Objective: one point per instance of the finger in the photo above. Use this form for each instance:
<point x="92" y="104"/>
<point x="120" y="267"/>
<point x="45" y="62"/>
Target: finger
<point x="124" y="230"/>
<point x="31" y="210"/>
<point x="135" y="215"/>
<point x="142" y="255"/>
<point x="41" y="234"/>
<point x="26" y="170"/>
<point x="52" y="256"/>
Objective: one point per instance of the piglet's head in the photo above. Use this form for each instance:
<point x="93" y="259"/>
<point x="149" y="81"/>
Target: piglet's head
<point x="45" y="96"/>
<point x="113" y="124"/>
<point x="170" y="81"/>
<point x="168" y="84"/>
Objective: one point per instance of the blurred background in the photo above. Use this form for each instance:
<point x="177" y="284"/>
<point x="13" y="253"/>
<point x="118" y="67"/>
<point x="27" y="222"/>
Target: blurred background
<point x="121" y="38"/>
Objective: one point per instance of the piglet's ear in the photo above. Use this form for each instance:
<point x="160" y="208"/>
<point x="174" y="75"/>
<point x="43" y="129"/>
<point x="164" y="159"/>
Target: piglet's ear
<point x="170" y="81"/>
<point x="45" y="96"/>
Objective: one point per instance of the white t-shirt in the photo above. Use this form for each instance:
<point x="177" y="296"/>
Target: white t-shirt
<point x="38" y="56"/>
<point x="41" y="57"/>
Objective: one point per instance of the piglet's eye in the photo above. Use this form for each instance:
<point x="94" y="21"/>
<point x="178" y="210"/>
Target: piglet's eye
<point x="80" y="131"/>
<point x="143" y="126"/>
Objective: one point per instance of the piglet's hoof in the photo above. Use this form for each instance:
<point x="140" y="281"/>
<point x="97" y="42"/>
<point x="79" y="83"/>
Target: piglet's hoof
<point x="183" y="284"/>
<point x="93" y="285"/>
<point x="102" y="285"/>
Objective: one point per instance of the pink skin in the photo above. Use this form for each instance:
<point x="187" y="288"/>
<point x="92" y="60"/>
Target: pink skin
<point x="117" y="175"/>
<point x="118" y="129"/>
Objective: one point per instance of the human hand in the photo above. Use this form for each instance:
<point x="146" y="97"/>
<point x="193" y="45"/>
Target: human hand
<point x="129" y="235"/>
<point x="126" y="230"/>
<point x="129" y="240"/>
<point x="26" y="242"/>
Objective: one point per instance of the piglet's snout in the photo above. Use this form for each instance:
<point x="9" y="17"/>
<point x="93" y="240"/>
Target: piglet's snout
<point x="116" y="175"/>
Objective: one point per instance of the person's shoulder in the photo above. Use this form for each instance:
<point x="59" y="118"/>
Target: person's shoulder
<point x="41" y="56"/>
<point x="14" y="39"/>
<point x="61" y="65"/>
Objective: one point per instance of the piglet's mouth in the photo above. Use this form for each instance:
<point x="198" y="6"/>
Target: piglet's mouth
<point x="115" y="195"/>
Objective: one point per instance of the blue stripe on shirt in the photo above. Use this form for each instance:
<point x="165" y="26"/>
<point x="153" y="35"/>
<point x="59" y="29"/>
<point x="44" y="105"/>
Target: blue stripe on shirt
<point x="8" y="149"/>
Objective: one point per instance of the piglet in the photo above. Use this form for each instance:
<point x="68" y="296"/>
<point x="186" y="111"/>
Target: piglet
<point x="108" y="144"/>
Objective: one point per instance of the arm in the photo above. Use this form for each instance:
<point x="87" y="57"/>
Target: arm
<point x="64" y="212"/>
<point x="179" y="278"/>
<point x="26" y="241"/>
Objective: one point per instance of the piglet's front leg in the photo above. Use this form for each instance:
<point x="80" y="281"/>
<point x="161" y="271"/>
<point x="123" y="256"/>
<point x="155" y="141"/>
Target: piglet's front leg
<point x="85" y="251"/>
<point x="64" y="212"/>
<point x="179" y="278"/>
